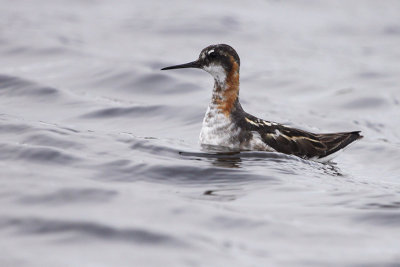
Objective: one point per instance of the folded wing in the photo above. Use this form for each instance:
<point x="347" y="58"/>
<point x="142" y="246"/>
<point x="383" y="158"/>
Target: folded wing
<point x="305" y="144"/>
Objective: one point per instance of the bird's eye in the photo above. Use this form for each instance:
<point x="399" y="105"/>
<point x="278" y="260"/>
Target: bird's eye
<point x="212" y="54"/>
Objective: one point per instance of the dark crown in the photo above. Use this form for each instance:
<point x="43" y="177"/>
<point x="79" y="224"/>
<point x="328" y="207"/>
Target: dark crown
<point x="217" y="52"/>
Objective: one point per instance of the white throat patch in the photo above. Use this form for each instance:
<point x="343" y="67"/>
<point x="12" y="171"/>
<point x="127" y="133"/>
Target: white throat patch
<point x="217" y="71"/>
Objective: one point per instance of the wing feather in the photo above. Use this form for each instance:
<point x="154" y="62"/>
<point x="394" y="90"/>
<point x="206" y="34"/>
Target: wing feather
<point x="305" y="144"/>
<point x="298" y="142"/>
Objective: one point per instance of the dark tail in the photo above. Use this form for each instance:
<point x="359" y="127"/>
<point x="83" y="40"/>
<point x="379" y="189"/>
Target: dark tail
<point x="337" y="141"/>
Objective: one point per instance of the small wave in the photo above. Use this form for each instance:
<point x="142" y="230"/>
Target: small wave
<point x="68" y="196"/>
<point x="13" y="128"/>
<point x="372" y="75"/>
<point x="124" y="111"/>
<point x="366" y="103"/>
<point x="390" y="205"/>
<point x="150" y="146"/>
<point x="146" y="114"/>
<point x="175" y="173"/>
<point x="47" y="140"/>
<point x="163" y="84"/>
<point x="35" y="154"/>
<point x="32" y="50"/>
<point x="392" y="30"/>
<point x="77" y="229"/>
<point x="13" y="86"/>
<point x="385" y="218"/>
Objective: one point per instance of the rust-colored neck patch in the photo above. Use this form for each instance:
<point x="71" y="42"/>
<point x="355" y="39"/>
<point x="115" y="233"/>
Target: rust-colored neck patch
<point x="231" y="91"/>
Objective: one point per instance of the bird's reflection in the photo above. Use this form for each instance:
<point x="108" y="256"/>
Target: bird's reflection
<point x="217" y="156"/>
<point x="226" y="158"/>
<point x="247" y="169"/>
<point x="222" y="159"/>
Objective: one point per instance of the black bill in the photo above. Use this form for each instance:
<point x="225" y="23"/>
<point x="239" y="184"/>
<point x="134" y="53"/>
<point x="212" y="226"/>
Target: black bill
<point x="194" y="64"/>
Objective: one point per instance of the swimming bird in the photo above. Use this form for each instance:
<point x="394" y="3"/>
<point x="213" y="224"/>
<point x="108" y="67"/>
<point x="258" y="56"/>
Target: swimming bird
<point x="226" y="124"/>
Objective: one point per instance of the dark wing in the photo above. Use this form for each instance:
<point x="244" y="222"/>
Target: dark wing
<point x="305" y="144"/>
<point x="298" y="142"/>
<point x="295" y="141"/>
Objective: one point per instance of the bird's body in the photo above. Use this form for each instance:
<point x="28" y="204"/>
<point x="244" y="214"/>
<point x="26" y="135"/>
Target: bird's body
<point x="226" y="124"/>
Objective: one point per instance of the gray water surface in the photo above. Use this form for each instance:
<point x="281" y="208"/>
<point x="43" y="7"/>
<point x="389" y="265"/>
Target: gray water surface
<point x="99" y="157"/>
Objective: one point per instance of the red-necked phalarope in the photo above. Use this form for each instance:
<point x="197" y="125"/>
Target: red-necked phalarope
<point x="227" y="124"/>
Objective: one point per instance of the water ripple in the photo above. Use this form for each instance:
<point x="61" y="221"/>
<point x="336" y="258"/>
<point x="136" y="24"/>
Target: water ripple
<point x="79" y="229"/>
<point x="13" y="86"/>
<point x="68" y="196"/>
<point x="124" y="111"/>
<point x="36" y="154"/>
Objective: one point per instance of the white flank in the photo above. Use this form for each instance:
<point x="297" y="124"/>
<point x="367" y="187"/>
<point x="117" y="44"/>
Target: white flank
<point x="256" y="143"/>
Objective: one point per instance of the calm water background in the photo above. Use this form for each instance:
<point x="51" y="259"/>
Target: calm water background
<point x="99" y="157"/>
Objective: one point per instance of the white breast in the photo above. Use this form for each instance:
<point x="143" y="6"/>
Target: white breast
<point x="218" y="129"/>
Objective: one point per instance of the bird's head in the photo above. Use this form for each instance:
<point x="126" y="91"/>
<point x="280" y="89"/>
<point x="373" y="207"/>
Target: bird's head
<point x="220" y="60"/>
